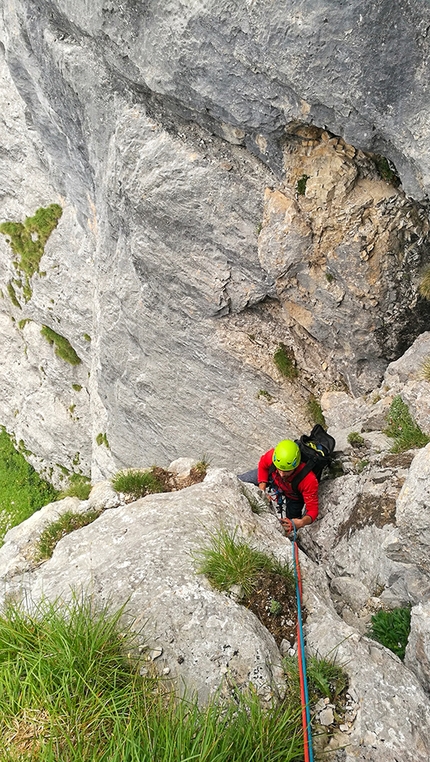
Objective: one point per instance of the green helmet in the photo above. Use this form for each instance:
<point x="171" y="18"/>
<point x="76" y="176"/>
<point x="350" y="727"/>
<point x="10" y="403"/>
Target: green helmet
<point x="286" y="455"/>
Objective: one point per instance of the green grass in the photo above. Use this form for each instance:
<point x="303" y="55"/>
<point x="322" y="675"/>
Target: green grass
<point x="301" y="185"/>
<point x="285" y="362"/>
<point x="79" y="485"/>
<point x="424" y="286"/>
<point x="65" y="524"/>
<point x="355" y="439"/>
<point x="22" y="491"/>
<point x="265" y="394"/>
<point x="27" y="240"/>
<point x="403" y="429"/>
<point x="392" y="628"/>
<point x="326" y="679"/>
<point x="386" y="170"/>
<point x="137" y="483"/>
<point x="12" y="294"/>
<point x="63" y="347"/>
<point x="425" y="370"/>
<point x="70" y="693"/>
<point x="314" y="411"/>
<point x="228" y="561"/>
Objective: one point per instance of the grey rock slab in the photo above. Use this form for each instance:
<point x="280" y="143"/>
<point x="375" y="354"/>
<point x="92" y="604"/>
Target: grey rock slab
<point x="17" y="554"/>
<point x="392" y="709"/>
<point x="264" y="70"/>
<point x="405" y="377"/>
<point x="417" y="656"/>
<point x="413" y="511"/>
<point x="351" y="591"/>
<point x="142" y="554"/>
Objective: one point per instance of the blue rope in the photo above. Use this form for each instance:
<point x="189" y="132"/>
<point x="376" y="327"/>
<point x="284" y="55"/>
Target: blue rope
<point x="308" y="729"/>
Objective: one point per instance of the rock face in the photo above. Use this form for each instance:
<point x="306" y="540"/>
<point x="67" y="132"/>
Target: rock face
<point x="209" y="215"/>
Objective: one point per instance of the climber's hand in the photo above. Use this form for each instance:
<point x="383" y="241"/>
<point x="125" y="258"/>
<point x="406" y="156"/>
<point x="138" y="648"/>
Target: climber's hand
<point x="287" y="524"/>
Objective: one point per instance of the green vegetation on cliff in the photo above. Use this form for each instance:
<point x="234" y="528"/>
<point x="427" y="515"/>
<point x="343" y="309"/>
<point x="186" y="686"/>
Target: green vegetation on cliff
<point x="22" y="491"/>
<point x="63" y="347"/>
<point x="27" y="240"/>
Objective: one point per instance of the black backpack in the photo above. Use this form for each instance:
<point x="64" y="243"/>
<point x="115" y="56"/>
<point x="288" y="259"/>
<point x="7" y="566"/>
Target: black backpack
<point x="317" y="452"/>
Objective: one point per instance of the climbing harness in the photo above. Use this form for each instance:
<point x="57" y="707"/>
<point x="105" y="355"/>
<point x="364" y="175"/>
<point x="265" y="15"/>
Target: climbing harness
<point x="304" y="694"/>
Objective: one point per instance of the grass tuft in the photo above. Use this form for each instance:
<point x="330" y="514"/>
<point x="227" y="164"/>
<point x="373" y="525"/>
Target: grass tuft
<point x="63" y="347"/>
<point x="285" y="361"/>
<point x="424" y="287"/>
<point x="326" y="679"/>
<point x="425" y="370"/>
<point x="138" y="483"/>
<point x="301" y="185"/>
<point x="392" y="628"/>
<point x="79" y="485"/>
<point x="314" y="411"/>
<point x="12" y="294"/>
<point x="403" y="429"/>
<point x="355" y="439"/>
<point x="65" y="524"/>
<point x="228" y="561"/>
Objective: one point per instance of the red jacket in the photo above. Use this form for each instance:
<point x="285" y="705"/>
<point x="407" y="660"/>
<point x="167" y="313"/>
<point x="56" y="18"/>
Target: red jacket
<point x="308" y="487"/>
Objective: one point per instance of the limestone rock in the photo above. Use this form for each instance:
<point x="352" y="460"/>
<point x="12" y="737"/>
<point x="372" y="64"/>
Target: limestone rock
<point x="209" y="213"/>
<point x="417" y="656"/>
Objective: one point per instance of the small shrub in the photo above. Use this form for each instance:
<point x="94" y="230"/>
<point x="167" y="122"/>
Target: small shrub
<point x="63" y="348"/>
<point x="285" y="362"/>
<point x="301" y="185"/>
<point x="76" y="387"/>
<point x="102" y="439"/>
<point x="53" y="533"/>
<point x="314" y="411"/>
<point x="138" y="483"/>
<point x="228" y="561"/>
<point x="403" y="428"/>
<point x="87" y="337"/>
<point x="330" y="277"/>
<point x="275" y="607"/>
<point x="355" y="439"/>
<point x="392" y="628"/>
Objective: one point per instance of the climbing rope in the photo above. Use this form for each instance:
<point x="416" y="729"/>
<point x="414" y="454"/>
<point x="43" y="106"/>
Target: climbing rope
<point x="304" y="694"/>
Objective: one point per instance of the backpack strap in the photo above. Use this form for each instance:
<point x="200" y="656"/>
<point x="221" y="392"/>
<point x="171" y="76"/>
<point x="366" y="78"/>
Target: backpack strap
<point x="301" y="475"/>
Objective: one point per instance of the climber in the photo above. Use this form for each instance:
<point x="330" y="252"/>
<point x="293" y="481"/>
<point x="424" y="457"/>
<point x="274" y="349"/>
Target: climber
<point x="277" y="469"/>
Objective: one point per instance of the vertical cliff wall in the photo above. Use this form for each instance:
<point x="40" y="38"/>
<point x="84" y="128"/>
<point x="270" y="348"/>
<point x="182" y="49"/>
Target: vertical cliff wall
<point x="187" y="252"/>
